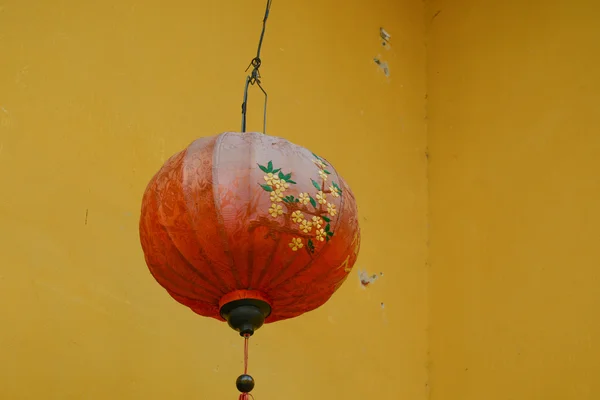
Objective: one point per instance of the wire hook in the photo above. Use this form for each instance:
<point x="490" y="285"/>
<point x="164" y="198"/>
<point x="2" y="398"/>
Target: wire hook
<point x="254" y="77"/>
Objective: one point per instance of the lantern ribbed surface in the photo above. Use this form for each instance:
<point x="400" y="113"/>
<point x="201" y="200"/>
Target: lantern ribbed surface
<point x="249" y="216"/>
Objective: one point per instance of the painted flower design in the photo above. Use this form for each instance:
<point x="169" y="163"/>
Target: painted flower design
<point x="304" y="198"/>
<point x="331" y="209"/>
<point x="317" y="221"/>
<point x="306" y="226"/>
<point x="282" y="185"/>
<point x="297" y="216"/>
<point x="271" y="179"/>
<point x="334" y="191"/>
<point x="319" y="163"/>
<point x="275" y="210"/>
<point x="305" y="216"/>
<point x="296" y="244"/>
<point x="321" y="197"/>
<point x="276" y="196"/>
<point x="320" y="235"/>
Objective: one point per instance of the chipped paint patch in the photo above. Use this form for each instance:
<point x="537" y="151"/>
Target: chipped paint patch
<point x="385" y="38"/>
<point x="384" y="35"/>
<point x="382" y="66"/>
<point x="367" y="279"/>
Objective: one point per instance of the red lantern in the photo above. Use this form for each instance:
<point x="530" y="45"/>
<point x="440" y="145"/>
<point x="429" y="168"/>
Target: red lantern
<point x="249" y="228"/>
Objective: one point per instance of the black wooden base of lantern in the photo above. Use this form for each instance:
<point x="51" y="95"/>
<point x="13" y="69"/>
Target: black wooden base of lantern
<point x="246" y="316"/>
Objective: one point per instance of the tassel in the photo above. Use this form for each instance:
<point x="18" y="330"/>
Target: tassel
<point x="245" y="383"/>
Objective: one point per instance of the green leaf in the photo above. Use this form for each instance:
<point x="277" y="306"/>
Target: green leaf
<point x="330" y="233"/>
<point x="326" y="219"/>
<point x="335" y="185"/>
<point x="297" y="201"/>
<point x="291" y="198"/>
<point x="288" y="176"/>
<point x="291" y="181"/>
<point x="315" y="184"/>
<point x="286" y="200"/>
<point x="263" y="168"/>
<point x="313" y="202"/>
<point x="327" y="228"/>
<point x="267" y="188"/>
<point x="327" y="172"/>
<point x="276" y="170"/>
<point x="311" y="246"/>
<point x="270" y="166"/>
<point x="327" y="238"/>
<point x="281" y="175"/>
<point x="319" y="158"/>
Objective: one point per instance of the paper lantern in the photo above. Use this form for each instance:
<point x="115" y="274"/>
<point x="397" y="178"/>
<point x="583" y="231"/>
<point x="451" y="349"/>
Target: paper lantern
<point x="249" y="228"/>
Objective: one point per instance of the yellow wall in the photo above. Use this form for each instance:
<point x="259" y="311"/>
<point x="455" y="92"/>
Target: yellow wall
<point x="94" y="96"/>
<point x="514" y="142"/>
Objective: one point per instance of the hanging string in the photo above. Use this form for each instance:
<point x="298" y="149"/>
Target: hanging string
<point x="254" y="77"/>
<point x="246" y="395"/>
<point x="246" y="340"/>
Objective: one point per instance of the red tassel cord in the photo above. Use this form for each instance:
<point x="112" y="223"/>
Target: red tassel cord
<point x="245" y="383"/>
<point x="246" y="340"/>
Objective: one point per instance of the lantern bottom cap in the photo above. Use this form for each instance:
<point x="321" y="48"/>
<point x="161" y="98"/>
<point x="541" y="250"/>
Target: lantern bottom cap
<point x="245" y="315"/>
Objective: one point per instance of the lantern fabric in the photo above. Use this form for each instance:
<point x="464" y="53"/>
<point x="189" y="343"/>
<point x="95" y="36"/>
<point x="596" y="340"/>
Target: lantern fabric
<point x="249" y="216"/>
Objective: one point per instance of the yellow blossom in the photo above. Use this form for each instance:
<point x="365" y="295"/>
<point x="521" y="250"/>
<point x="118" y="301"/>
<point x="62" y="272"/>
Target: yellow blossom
<point x="296" y="244"/>
<point x="282" y="185"/>
<point x="334" y="191"/>
<point x="306" y="226"/>
<point x="297" y="216"/>
<point x="271" y="179"/>
<point x="275" y="210"/>
<point x="321" y="197"/>
<point x="317" y="221"/>
<point x="320" y="163"/>
<point x="321" y="235"/>
<point x="323" y="175"/>
<point x="304" y="198"/>
<point x="276" y="196"/>
<point x="331" y="209"/>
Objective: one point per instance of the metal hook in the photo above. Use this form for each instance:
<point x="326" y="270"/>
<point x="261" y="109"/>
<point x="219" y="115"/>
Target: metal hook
<point x="254" y="77"/>
<point x="250" y="80"/>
